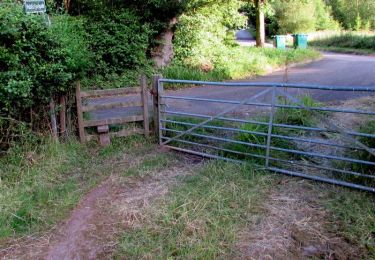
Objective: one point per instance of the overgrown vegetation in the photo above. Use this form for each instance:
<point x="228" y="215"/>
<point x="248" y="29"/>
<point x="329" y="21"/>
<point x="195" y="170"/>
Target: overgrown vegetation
<point x="202" y="217"/>
<point x="238" y="62"/>
<point x="362" y="43"/>
<point x="354" y="15"/>
<point x="363" y="155"/>
<point x="36" y="62"/>
<point x="41" y="183"/>
<point x="258" y="132"/>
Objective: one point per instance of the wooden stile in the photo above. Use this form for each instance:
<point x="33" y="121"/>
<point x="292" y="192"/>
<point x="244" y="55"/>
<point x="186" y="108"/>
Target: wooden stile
<point x="103" y="124"/>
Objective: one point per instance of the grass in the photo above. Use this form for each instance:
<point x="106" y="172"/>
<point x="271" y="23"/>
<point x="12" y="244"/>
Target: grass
<point x="288" y="116"/>
<point x="366" y="128"/>
<point x="352" y="214"/>
<point x="239" y="63"/>
<point x="348" y="42"/>
<point x="201" y="218"/>
<point x="39" y="187"/>
<point x="204" y="216"/>
<point x="185" y="123"/>
<point x="297" y="117"/>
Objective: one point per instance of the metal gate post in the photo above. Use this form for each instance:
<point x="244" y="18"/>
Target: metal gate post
<point x="270" y="126"/>
<point x="161" y="113"/>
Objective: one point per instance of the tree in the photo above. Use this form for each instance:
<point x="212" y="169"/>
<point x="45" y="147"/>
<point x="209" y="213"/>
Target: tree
<point x="260" y="26"/>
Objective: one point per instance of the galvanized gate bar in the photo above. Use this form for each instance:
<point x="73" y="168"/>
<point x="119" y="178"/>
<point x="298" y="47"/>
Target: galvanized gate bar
<point x="322" y="179"/>
<point x="275" y="159"/>
<point x="263" y="134"/>
<point x="218" y="115"/>
<point x="267" y="84"/>
<point x="265" y="123"/>
<point x="278" y="165"/>
<point x="334" y="127"/>
<point x="225" y="101"/>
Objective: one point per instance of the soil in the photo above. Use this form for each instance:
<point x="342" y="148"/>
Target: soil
<point x="294" y="226"/>
<point x="102" y="215"/>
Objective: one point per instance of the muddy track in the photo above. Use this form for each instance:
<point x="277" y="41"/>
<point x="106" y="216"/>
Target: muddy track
<point x="95" y="224"/>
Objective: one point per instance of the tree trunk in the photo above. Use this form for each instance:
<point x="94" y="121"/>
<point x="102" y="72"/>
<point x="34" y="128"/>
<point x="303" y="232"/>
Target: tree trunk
<point x="260" y="27"/>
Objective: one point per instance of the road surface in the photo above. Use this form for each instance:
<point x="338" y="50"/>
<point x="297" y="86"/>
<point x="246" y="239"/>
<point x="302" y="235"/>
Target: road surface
<point x="333" y="69"/>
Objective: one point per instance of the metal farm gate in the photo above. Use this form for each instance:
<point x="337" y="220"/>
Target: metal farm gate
<point x="323" y="133"/>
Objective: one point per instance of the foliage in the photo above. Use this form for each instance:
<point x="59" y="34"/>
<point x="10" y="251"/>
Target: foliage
<point x="118" y="41"/>
<point x="354" y="14"/>
<point x="293" y="16"/>
<point x="36" y="62"/>
<point x="297" y="16"/>
<point x="239" y="62"/>
<point x="203" y="33"/>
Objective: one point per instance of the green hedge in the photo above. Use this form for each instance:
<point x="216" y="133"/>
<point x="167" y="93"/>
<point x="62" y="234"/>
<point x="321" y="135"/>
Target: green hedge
<point x="36" y="62"/>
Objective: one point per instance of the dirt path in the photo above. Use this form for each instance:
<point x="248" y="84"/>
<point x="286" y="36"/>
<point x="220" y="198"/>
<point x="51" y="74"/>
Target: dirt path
<point x="295" y="226"/>
<point x="92" y="228"/>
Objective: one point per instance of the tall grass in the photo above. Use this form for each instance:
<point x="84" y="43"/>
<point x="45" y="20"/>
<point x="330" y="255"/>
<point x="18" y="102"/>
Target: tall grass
<point x="347" y="41"/>
<point x="40" y="185"/>
<point x="239" y="63"/>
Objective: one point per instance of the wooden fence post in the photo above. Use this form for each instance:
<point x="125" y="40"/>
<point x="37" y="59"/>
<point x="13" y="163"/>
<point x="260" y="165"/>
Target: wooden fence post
<point x="146" y="123"/>
<point x="155" y="107"/>
<point x="81" y="128"/>
<point x="52" y="111"/>
<point x="63" y="116"/>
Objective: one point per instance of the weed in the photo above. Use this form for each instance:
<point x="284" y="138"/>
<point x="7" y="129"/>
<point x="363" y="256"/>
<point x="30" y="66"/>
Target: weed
<point x="297" y="117"/>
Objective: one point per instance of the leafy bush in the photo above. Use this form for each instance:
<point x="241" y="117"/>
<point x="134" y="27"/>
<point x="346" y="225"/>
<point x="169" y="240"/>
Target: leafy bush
<point x="35" y="64"/>
<point x="118" y="41"/>
<point x="203" y="33"/>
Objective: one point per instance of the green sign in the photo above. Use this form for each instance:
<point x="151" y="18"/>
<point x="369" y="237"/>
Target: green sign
<point x="34" y="6"/>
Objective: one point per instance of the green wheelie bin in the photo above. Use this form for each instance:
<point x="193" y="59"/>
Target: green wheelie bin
<point x="300" y="41"/>
<point x="279" y="41"/>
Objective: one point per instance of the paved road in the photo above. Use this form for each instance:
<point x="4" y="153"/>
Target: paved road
<point x="244" y="38"/>
<point x="333" y="69"/>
